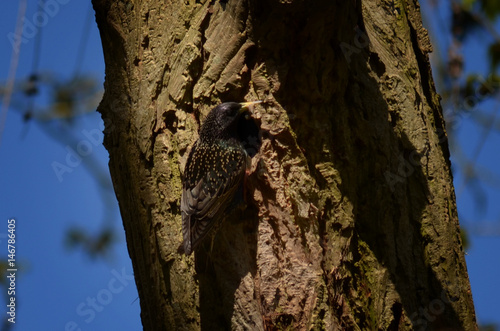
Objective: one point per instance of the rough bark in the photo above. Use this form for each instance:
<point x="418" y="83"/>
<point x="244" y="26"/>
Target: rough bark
<point x="351" y="221"/>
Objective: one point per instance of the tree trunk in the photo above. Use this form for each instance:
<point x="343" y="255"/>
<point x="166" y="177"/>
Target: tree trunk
<point x="351" y="220"/>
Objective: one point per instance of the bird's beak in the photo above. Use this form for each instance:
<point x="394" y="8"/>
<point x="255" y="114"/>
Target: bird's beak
<point x="249" y="105"/>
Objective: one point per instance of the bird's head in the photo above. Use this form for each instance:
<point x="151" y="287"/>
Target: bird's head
<point x="221" y="122"/>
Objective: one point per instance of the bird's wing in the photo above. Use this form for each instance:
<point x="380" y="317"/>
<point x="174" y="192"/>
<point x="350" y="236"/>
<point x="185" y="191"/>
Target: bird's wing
<point x="212" y="176"/>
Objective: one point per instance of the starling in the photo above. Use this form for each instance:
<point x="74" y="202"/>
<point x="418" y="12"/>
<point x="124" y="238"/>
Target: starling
<point x="214" y="171"/>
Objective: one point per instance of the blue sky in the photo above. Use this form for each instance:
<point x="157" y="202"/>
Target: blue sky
<point x="58" y="288"/>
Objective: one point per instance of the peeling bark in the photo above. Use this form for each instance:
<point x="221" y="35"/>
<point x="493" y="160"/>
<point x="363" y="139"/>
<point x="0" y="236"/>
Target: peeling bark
<point x="351" y="220"/>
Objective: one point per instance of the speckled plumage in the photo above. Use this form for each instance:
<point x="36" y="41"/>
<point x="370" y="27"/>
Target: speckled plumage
<point x="215" y="169"/>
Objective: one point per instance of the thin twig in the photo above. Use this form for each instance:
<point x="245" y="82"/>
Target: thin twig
<point x="16" y="50"/>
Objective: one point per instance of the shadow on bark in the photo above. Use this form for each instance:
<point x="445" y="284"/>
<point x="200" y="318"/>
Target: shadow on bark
<point x="366" y="141"/>
<point x="220" y="272"/>
<point x="390" y="214"/>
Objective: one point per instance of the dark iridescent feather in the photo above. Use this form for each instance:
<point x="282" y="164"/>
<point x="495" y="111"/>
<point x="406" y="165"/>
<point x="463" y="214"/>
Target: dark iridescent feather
<point x="214" y="171"/>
